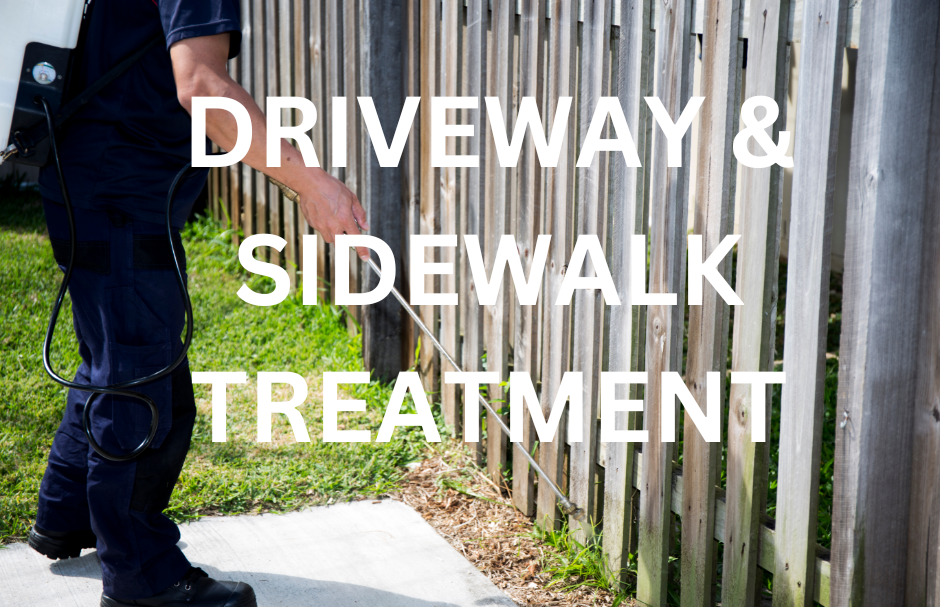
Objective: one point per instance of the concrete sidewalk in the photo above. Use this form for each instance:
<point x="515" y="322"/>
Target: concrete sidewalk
<point x="362" y="554"/>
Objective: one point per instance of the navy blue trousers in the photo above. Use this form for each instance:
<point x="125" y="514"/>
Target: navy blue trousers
<point x="128" y="315"/>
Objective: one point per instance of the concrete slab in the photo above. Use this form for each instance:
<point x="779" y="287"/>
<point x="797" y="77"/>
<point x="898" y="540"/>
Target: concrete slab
<point x="344" y="555"/>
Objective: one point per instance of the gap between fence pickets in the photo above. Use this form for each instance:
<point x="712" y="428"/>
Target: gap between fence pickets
<point x="852" y="27"/>
<point x="767" y="535"/>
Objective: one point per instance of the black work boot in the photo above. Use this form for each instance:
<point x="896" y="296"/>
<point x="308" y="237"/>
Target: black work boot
<point x="60" y="545"/>
<point x="196" y="589"/>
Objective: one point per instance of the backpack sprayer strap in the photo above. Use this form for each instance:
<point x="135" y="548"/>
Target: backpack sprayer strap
<point x="24" y="140"/>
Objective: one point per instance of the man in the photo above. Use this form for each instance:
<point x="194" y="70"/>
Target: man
<point x="119" y="155"/>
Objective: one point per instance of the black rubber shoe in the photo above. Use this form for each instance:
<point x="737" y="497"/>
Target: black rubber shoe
<point x="196" y="589"/>
<point x="60" y="545"/>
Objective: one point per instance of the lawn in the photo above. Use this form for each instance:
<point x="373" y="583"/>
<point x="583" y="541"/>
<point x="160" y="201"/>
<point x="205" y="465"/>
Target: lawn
<point x="237" y="476"/>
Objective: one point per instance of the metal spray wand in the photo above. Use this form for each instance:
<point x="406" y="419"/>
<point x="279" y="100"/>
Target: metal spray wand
<point x="565" y="505"/>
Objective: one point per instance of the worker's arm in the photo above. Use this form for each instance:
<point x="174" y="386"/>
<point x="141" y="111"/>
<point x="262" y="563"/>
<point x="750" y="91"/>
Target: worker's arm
<point x="199" y="71"/>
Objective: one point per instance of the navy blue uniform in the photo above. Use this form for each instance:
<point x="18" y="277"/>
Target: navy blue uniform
<point x="120" y="154"/>
<point x="122" y="149"/>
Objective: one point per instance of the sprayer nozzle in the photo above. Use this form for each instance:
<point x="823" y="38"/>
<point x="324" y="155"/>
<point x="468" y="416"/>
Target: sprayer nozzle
<point x="571" y="509"/>
<point x="9" y="151"/>
<point x="288" y="192"/>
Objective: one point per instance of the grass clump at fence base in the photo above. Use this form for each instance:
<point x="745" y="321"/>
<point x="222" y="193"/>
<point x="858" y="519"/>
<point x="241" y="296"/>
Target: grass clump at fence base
<point x="237" y="476"/>
<point x="573" y="564"/>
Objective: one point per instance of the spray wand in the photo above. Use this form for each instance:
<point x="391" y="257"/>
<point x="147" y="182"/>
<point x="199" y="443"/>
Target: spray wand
<point x="565" y="505"/>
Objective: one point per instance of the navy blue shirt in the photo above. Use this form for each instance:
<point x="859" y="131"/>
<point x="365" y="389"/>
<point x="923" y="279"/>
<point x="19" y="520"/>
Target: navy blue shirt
<point x="122" y="150"/>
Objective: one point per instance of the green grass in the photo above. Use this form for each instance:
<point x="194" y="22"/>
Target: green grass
<point x="238" y="476"/>
<point x="572" y="564"/>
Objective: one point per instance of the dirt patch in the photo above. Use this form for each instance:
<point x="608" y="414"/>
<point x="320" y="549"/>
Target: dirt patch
<point x="477" y="518"/>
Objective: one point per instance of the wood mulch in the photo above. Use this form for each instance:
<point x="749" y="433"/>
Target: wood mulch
<point x="477" y="518"/>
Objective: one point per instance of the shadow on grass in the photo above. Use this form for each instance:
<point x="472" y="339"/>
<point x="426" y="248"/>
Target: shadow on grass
<point x="20" y="206"/>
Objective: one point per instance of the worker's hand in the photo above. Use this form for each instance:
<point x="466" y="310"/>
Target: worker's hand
<point x="199" y="69"/>
<point x="332" y="209"/>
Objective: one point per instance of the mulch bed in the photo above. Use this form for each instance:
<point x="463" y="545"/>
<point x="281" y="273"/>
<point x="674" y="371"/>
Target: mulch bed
<point x="477" y="518"/>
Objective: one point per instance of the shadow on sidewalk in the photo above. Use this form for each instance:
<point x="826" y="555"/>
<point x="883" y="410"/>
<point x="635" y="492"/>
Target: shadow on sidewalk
<point x="283" y="590"/>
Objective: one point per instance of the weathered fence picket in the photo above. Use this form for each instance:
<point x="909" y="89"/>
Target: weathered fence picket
<point x="496" y="210"/>
<point x="807" y="313"/>
<point x="471" y="318"/>
<point x="885" y="382"/>
<point x="299" y="50"/>
<point x="250" y="73"/>
<point x="351" y="91"/>
<point x="626" y="214"/>
<point x="587" y="327"/>
<point x="562" y="72"/>
<point x="449" y="325"/>
<point x="316" y="90"/>
<point x="631" y="49"/>
<point x="429" y="180"/>
<point x="411" y="161"/>
<point x="259" y="18"/>
<point x="333" y="11"/>
<point x="668" y="208"/>
<point x="285" y="57"/>
<point x="707" y="349"/>
<point x="528" y="226"/>
<point x="463" y="187"/>
<point x="923" y="582"/>
<point x="754" y="321"/>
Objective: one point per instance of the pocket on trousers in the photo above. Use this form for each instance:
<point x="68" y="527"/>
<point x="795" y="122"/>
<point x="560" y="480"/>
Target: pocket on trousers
<point x="131" y="416"/>
<point x="139" y="345"/>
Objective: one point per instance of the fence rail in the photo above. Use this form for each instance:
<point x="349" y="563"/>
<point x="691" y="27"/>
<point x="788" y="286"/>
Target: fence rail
<point x="639" y="495"/>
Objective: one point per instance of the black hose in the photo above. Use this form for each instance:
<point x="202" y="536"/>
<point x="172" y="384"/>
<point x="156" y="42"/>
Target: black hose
<point x="119" y="389"/>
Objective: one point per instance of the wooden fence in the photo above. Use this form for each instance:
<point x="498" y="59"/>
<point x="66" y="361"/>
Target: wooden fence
<point x="887" y="492"/>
